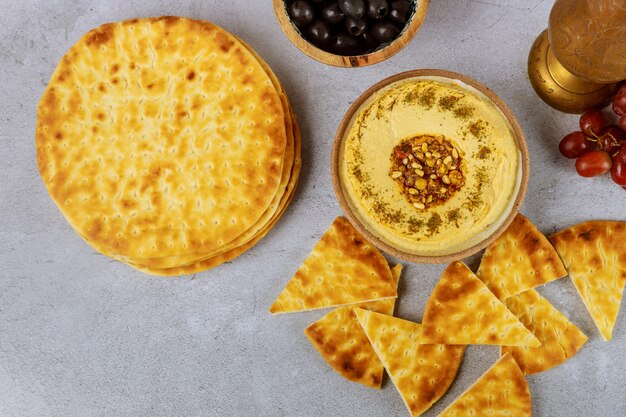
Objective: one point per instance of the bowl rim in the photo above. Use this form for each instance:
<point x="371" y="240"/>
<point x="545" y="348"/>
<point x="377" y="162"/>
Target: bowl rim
<point x="429" y="259"/>
<point x="350" y="61"/>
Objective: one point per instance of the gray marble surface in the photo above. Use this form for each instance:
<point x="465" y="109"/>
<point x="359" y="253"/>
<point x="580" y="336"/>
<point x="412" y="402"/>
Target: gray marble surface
<point x="81" y="335"/>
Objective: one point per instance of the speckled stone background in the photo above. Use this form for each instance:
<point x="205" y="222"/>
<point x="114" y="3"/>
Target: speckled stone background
<point x="81" y="335"/>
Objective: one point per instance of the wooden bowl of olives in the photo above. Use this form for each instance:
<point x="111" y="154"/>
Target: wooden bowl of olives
<point x="350" y="33"/>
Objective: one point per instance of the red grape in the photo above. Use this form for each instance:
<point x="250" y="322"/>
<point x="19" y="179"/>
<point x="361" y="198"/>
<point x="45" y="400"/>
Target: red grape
<point x="622" y="153"/>
<point x="619" y="102"/>
<point x="591" y="122"/>
<point x="622" y="122"/>
<point x="574" y="145"/>
<point x="618" y="171"/>
<point x="593" y="163"/>
<point x="611" y="139"/>
<point x="615" y="131"/>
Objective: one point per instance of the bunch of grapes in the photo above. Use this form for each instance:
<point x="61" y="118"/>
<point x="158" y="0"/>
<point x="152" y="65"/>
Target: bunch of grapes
<point x="599" y="148"/>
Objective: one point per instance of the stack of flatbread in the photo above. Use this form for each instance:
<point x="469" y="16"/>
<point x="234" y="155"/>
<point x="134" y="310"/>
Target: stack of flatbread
<point x="497" y="305"/>
<point x="167" y="143"/>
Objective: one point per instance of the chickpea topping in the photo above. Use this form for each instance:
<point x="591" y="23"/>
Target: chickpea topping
<point x="456" y="177"/>
<point x="427" y="169"/>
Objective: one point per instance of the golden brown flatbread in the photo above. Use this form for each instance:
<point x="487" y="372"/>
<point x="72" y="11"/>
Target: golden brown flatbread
<point x="421" y="373"/>
<point x="291" y="170"/>
<point x="560" y="338"/>
<point x="221" y="258"/>
<point x="522" y="258"/>
<point x="461" y="310"/>
<point x="205" y="263"/>
<point x="150" y="127"/>
<point x="502" y="391"/>
<point x="342" y="269"/>
<point x="594" y="254"/>
<point x="339" y="338"/>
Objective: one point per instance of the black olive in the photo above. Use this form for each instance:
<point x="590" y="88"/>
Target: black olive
<point x="301" y="12"/>
<point x="319" y="33"/>
<point x="345" y="44"/>
<point x="397" y="17"/>
<point x="384" y="31"/>
<point x="332" y="13"/>
<point x="399" y="11"/>
<point x="318" y="1"/>
<point x="377" y="9"/>
<point x="356" y="27"/>
<point x="401" y="5"/>
<point x="368" y="41"/>
<point x="354" y="8"/>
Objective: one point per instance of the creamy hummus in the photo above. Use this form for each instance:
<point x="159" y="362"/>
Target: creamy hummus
<point x="466" y="119"/>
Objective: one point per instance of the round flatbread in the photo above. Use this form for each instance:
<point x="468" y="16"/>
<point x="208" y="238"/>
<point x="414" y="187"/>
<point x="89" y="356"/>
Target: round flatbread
<point x="291" y="169"/>
<point x="161" y="137"/>
<point x="268" y="216"/>
<point x="221" y="258"/>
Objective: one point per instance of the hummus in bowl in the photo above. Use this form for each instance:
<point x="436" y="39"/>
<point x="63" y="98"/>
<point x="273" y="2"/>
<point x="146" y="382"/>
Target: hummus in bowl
<point x="430" y="165"/>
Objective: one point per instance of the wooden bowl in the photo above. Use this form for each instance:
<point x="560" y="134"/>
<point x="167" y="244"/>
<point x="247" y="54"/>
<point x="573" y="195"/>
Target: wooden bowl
<point x="350" y="61"/>
<point x="354" y="219"/>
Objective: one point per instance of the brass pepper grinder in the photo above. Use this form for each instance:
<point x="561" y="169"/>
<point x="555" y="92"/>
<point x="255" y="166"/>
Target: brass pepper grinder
<point x="579" y="61"/>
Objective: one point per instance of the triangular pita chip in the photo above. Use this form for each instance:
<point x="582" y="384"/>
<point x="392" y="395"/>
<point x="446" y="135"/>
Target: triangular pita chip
<point x="522" y="258"/>
<point x="421" y="373"/>
<point x="560" y="338"/>
<point x="342" y="269"/>
<point x="462" y="311"/>
<point x="501" y="391"/>
<point x="594" y="254"/>
<point x="339" y="338"/>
